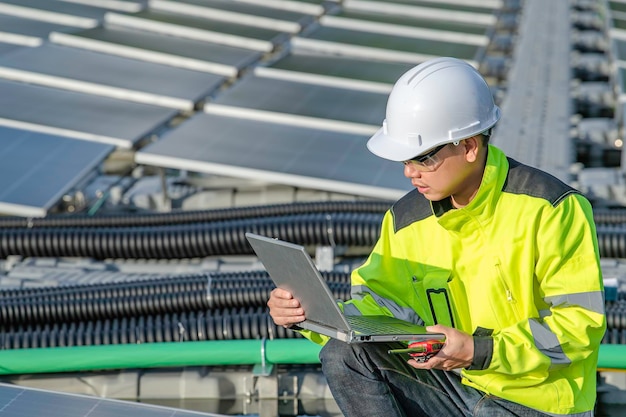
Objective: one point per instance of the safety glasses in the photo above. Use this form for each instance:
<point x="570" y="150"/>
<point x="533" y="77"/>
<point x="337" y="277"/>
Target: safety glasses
<point x="427" y="162"/>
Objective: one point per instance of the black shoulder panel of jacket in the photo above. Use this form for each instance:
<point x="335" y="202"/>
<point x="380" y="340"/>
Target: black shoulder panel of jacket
<point x="412" y="207"/>
<point x="523" y="179"/>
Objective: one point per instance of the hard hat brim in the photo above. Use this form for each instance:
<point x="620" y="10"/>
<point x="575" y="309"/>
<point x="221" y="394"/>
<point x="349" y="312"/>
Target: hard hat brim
<point x="382" y="145"/>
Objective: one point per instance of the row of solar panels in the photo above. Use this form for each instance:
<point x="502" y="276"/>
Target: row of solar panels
<point x="285" y="91"/>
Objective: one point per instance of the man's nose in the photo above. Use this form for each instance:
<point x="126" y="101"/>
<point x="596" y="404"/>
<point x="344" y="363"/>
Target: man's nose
<point x="411" y="172"/>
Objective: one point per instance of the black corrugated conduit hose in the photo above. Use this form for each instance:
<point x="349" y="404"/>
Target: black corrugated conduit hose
<point x="225" y="324"/>
<point x="202" y="292"/>
<point x="233" y="323"/>
<point x="608" y="216"/>
<point x="221" y="238"/>
<point x="196" y="216"/>
<point x="219" y="232"/>
<point x="194" y="240"/>
<point x="612" y="241"/>
<point x="616" y="321"/>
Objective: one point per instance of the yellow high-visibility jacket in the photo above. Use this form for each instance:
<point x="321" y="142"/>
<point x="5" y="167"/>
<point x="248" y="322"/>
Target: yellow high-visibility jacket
<point x="520" y="268"/>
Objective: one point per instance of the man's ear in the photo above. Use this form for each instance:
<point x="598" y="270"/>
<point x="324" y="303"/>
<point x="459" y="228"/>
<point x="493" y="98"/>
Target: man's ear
<point x="472" y="147"/>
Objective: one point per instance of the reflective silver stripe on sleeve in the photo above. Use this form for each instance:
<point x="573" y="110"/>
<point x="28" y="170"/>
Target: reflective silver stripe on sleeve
<point x="404" y="313"/>
<point x="351" y="310"/>
<point x="593" y="301"/>
<point x="548" y="344"/>
<point x="545" y="313"/>
<point x="583" y="414"/>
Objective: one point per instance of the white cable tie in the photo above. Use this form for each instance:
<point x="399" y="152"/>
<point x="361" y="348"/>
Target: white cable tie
<point x="181" y="332"/>
<point x="209" y="296"/>
<point x="330" y="231"/>
<point x="263" y="342"/>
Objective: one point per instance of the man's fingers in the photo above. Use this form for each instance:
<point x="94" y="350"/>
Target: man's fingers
<point x="284" y="309"/>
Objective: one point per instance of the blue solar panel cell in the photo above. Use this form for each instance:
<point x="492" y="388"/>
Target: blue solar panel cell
<point x="36" y="169"/>
<point x="28" y="402"/>
<point x="290" y="155"/>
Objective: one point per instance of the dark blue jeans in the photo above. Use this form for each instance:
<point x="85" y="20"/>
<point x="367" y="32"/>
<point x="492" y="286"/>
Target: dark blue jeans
<point x="367" y="381"/>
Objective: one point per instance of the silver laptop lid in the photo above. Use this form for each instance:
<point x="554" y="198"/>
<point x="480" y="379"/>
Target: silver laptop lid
<point x="290" y="267"/>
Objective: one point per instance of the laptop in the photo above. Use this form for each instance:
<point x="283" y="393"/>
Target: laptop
<point x="290" y="267"/>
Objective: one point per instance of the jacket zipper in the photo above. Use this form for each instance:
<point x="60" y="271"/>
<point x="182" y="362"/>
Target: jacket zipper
<point x="507" y="291"/>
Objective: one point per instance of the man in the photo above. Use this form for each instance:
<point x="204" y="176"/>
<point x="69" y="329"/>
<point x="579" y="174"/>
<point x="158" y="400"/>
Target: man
<point x="499" y="257"/>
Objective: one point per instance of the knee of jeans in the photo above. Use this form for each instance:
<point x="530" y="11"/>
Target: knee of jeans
<point x="336" y="351"/>
<point x="333" y="351"/>
<point x="337" y="356"/>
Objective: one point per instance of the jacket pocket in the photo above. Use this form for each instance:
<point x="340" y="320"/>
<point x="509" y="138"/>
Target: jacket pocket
<point x="436" y="303"/>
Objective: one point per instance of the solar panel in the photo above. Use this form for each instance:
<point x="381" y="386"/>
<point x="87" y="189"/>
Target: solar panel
<point x="17" y="401"/>
<point x="303" y="104"/>
<point x="62" y="7"/>
<point x="36" y="169"/>
<point x="618" y="47"/>
<point x="201" y="28"/>
<point x="381" y="44"/>
<point x="108" y="75"/>
<point x="619" y="22"/>
<point x="237" y="12"/>
<point x="312" y="7"/>
<point x="262" y="151"/>
<point x="60" y="12"/>
<point x="456" y="12"/>
<point x="77" y="115"/>
<point x="130" y="6"/>
<point x="472" y="28"/>
<point x="405" y="27"/>
<point x="30" y="27"/>
<point x="471" y="6"/>
<point x="164" y="49"/>
<point x="341" y="71"/>
<point x="8" y="47"/>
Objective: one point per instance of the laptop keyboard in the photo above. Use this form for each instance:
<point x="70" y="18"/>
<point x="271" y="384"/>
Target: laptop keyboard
<point x="364" y="324"/>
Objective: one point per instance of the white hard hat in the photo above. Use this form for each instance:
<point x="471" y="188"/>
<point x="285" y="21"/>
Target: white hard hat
<point x="439" y="101"/>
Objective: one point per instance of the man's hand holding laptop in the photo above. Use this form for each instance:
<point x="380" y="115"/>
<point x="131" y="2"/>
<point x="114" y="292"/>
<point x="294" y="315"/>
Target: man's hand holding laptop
<point x="285" y="309"/>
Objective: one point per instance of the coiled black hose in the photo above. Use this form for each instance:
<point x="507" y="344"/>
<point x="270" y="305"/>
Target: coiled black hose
<point x="615" y="336"/>
<point x="612" y="242"/>
<point x="145" y="297"/>
<point x="601" y="215"/>
<point x="190" y="240"/>
<point x="227" y="324"/>
<point x="616" y="314"/>
<point x="220" y="238"/>
<point x="127" y="320"/>
<point x="609" y="216"/>
<point x="177" y="241"/>
<point x="615" y="320"/>
<point x="197" y="216"/>
<point x="224" y="324"/>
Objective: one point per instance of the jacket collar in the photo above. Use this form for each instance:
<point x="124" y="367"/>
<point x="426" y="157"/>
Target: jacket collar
<point x="482" y="207"/>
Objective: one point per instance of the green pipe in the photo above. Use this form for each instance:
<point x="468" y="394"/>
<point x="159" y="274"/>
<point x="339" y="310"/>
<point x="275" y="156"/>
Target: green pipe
<point x="612" y="356"/>
<point x="209" y="353"/>
<point x="151" y="355"/>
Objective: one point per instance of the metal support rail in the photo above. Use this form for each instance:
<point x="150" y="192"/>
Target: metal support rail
<point x="536" y="110"/>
